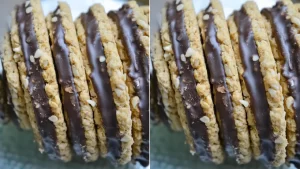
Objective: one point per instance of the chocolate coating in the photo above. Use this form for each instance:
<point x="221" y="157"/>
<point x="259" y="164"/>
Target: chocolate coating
<point x="70" y="98"/>
<point x="255" y="85"/>
<point x="190" y="97"/>
<point x="101" y="83"/>
<point x="138" y="70"/>
<point x="36" y="82"/>
<point x="289" y="49"/>
<point x="222" y="96"/>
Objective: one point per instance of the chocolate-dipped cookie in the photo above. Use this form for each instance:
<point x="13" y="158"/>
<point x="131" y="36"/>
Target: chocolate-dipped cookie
<point x="131" y="31"/>
<point x="14" y="95"/>
<point x="282" y="25"/>
<point x="262" y="92"/>
<point x="183" y="52"/>
<point x="225" y="82"/>
<point x="73" y="84"/>
<point x="107" y="85"/>
<point x="33" y="56"/>
<point x="163" y="85"/>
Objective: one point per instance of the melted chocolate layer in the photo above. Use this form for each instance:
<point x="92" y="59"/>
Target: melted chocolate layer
<point x="222" y="96"/>
<point x="101" y="84"/>
<point x="255" y="85"/>
<point x="289" y="49"/>
<point x="70" y="98"/>
<point x="3" y="114"/>
<point x="36" y="82"/>
<point x="190" y="97"/>
<point x="138" y="70"/>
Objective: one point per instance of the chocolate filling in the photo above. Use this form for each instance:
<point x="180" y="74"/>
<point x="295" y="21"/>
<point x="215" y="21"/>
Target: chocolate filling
<point x="157" y="107"/>
<point x="101" y="83"/>
<point x="70" y="98"/>
<point x="255" y="85"/>
<point x="289" y="49"/>
<point x="222" y="96"/>
<point x="3" y="114"/>
<point x="138" y="70"/>
<point x="190" y="97"/>
<point x="36" y="82"/>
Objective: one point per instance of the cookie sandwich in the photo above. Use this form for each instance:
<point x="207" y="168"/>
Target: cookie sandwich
<point x="32" y="54"/>
<point x="282" y="24"/>
<point x="262" y="92"/>
<point x="131" y="32"/>
<point x="225" y="82"/>
<point x="72" y="81"/>
<point x="107" y="85"/>
<point x="183" y="53"/>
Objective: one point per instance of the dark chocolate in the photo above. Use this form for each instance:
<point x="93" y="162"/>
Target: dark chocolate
<point x="285" y="37"/>
<point x="255" y="85"/>
<point x="138" y="70"/>
<point x="70" y="98"/>
<point x="36" y="82"/>
<point x="222" y="96"/>
<point x="191" y="99"/>
<point x="101" y="83"/>
<point x="3" y="113"/>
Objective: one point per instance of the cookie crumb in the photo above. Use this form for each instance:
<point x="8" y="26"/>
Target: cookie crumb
<point x="102" y="59"/>
<point x="54" y="19"/>
<point x="206" y="17"/>
<point x="37" y="105"/>
<point x="53" y="118"/>
<point x="16" y="56"/>
<point x="142" y="23"/>
<point x="192" y="152"/>
<point x="168" y="48"/>
<point x="27" y="3"/>
<point x="188" y="106"/>
<point x="179" y="7"/>
<point x="92" y="103"/>
<point x="177" y="2"/>
<point x="29" y="10"/>
<point x="118" y="92"/>
<point x="166" y="56"/>
<point x="126" y="138"/>
<point x="57" y="12"/>
<point x="210" y="9"/>
<point x="289" y="102"/>
<point x="280" y="140"/>
<point x="38" y="53"/>
<point x="255" y="58"/>
<point x="244" y="103"/>
<point x="135" y="100"/>
<point x="221" y="89"/>
<point x="296" y="21"/>
<point x="121" y="86"/>
<point x="177" y="83"/>
<point x="17" y="49"/>
<point x="41" y="150"/>
<point x="32" y="59"/>
<point x="204" y="119"/>
<point x="190" y="52"/>
<point x="272" y="93"/>
<point x="69" y="89"/>
<point x="182" y="57"/>
<point x="26" y="83"/>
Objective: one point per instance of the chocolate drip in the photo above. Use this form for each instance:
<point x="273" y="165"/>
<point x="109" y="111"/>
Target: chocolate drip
<point x="190" y="97"/>
<point x="101" y="83"/>
<point x="289" y="49"/>
<point x="222" y="96"/>
<point x="36" y="82"/>
<point x="255" y="85"/>
<point x="138" y="70"/>
<point x="70" y="98"/>
<point x="157" y="107"/>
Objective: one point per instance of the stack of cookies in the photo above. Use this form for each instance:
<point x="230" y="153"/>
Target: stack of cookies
<point x="232" y="85"/>
<point x="81" y="87"/>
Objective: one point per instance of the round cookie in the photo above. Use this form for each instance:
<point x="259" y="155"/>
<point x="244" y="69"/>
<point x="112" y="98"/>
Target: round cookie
<point x="14" y="84"/>
<point x="30" y="42"/>
<point x="131" y="31"/>
<point x="107" y="85"/>
<point x="183" y="52"/>
<point x="262" y="92"/>
<point x="225" y="82"/>
<point x="163" y="80"/>
<point x="281" y="21"/>
<point x="73" y="84"/>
